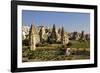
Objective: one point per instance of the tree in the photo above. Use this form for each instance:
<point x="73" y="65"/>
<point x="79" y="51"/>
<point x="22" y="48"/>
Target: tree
<point x="82" y="36"/>
<point x="53" y="36"/>
<point x="40" y="34"/>
<point x="62" y="35"/>
<point x="74" y="35"/>
<point x="59" y="31"/>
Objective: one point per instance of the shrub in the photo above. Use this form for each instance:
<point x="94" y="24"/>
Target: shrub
<point x="69" y="44"/>
<point x="25" y="42"/>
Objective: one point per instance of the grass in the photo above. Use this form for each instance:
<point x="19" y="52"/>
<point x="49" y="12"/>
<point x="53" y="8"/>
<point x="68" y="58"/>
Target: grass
<point x="53" y="55"/>
<point x="79" y="44"/>
<point x="54" y="52"/>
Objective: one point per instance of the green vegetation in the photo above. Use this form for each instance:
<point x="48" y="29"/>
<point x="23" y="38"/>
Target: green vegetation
<point x="54" y="52"/>
<point x="78" y="44"/>
<point x="53" y="37"/>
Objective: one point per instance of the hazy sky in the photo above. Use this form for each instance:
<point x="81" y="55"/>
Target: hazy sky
<point x="71" y="21"/>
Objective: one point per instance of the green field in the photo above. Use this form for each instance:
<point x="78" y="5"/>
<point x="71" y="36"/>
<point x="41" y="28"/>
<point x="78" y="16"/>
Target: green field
<point x="79" y="44"/>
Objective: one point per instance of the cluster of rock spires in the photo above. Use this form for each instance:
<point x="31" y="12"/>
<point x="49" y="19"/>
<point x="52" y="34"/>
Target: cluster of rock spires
<point x="42" y="34"/>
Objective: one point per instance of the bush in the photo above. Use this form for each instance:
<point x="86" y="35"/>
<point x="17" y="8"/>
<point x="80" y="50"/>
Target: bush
<point x="25" y="42"/>
<point x="41" y="45"/>
<point x="69" y="44"/>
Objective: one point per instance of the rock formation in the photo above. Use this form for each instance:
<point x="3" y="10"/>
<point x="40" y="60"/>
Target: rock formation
<point x="33" y="37"/>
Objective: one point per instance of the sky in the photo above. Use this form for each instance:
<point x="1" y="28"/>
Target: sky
<point x="71" y="21"/>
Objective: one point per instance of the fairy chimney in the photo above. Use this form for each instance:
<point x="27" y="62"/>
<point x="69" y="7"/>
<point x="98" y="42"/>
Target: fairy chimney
<point x="32" y="41"/>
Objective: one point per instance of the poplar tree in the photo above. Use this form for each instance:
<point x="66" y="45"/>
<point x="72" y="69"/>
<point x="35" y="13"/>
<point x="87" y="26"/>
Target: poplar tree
<point x="62" y="35"/>
<point x="53" y="34"/>
<point x="40" y="34"/>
